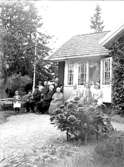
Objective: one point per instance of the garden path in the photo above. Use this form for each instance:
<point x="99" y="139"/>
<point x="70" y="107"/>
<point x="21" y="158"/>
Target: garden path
<point x="22" y="134"/>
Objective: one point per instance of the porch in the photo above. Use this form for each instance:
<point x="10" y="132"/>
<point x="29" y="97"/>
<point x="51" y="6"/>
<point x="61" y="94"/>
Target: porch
<point x="89" y="70"/>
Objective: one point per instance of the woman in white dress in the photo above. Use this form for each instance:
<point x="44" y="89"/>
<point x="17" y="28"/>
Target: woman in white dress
<point x="75" y="93"/>
<point x="97" y="95"/>
<point x="86" y="95"/>
<point x="17" y="102"/>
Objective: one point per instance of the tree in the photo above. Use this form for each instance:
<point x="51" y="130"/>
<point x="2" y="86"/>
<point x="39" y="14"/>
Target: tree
<point x="96" y="22"/>
<point x="21" y="23"/>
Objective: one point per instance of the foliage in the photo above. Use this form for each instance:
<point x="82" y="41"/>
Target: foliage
<point x="80" y="122"/>
<point x="78" y="159"/>
<point x="111" y="151"/>
<point x="48" y="155"/>
<point x="17" y="82"/>
<point x="117" y="52"/>
<point x="46" y="70"/>
<point x="21" y="23"/>
<point x="96" y="22"/>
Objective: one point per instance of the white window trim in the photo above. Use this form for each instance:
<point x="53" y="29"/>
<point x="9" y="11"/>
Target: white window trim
<point x="75" y="77"/>
<point x="70" y="63"/>
<point x="85" y="72"/>
<point x="103" y="71"/>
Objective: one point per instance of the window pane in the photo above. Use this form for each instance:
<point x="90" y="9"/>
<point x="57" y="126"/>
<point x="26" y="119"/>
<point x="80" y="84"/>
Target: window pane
<point x="107" y="65"/>
<point x="70" y="74"/>
<point x="106" y="71"/>
<point x="81" y="74"/>
<point x="107" y="77"/>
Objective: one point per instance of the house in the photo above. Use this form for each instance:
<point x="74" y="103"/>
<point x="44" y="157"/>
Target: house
<point x="85" y="58"/>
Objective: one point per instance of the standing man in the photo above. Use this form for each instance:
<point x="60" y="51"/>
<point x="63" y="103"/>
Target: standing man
<point x="57" y="84"/>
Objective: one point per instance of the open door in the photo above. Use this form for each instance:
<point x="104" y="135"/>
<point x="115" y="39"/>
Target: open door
<point x="94" y="72"/>
<point x="106" y="79"/>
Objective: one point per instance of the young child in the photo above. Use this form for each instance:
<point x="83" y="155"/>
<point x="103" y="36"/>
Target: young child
<point x="17" y="102"/>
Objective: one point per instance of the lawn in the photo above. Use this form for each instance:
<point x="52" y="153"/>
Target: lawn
<point x="118" y="119"/>
<point x="58" y="153"/>
<point x="4" y="115"/>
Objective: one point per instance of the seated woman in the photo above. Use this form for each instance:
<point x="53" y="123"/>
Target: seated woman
<point x="27" y="99"/>
<point x="86" y="95"/>
<point x="57" y="100"/>
<point x="92" y="88"/>
<point x="98" y="96"/>
<point x="75" y="94"/>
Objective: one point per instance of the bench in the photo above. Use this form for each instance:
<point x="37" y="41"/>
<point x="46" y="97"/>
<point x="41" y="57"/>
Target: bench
<point x="7" y="104"/>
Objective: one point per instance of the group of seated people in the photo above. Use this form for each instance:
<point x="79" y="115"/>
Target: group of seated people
<point x="44" y="99"/>
<point x="47" y="97"/>
<point x="87" y="94"/>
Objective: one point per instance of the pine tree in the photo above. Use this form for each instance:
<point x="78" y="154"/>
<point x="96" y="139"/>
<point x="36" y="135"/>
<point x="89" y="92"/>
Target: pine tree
<point x="96" y="22"/>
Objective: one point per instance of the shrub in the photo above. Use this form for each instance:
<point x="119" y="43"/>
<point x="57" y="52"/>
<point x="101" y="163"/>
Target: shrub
<point x="118" y="76"/>
<point x="111" y="151"/>
<point x="17" y="82"/>
<point x="80" y="122"/>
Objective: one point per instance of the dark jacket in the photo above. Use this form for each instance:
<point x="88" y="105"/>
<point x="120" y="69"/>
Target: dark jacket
<point x="36" y="95"/>
<point x="45" y="90"/>
<point x="48" y="96"/>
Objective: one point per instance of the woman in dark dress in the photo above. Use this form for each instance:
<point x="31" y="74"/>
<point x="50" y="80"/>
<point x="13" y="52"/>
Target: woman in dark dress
<point x="36" y="96"/>
<point x="46" y="88"/>
<point x="27" y="99"/>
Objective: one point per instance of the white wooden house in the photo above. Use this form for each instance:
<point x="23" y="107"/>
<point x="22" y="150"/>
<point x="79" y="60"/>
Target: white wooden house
<point x="85" y="58"/>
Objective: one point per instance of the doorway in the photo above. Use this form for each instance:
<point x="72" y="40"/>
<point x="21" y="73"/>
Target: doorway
<point x="94" y="72"/>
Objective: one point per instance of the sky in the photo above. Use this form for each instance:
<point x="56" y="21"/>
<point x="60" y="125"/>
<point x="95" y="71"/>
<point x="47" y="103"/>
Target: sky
<point x="64" y="19"/>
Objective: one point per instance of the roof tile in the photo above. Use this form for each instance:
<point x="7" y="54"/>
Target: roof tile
<point x="81" y="45"/>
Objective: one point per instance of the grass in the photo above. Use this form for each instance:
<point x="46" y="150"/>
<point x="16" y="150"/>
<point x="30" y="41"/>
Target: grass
<point x="117" y="118"/>
<point x="4" y="115"/>
<point x="61" y="153"/>
<point x="82" y="159"/>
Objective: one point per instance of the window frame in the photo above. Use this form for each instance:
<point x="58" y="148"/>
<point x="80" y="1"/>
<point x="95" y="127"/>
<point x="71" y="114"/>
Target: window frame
<point x="70" y="83"/>
<point x="106" y="71"/>
<point x="82" y="80"/>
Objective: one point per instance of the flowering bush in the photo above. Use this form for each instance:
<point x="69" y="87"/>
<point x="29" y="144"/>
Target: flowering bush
<point x="80" y="122"/>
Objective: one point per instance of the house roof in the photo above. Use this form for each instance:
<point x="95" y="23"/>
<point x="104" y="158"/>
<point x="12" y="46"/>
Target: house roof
<point x="108" y="39"/>
<point x="85" y="45"/>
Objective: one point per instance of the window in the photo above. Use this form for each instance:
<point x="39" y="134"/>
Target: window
<point x="81" y="73"/>
<point x="106" y="71"/>
<point x="70" y="74"/>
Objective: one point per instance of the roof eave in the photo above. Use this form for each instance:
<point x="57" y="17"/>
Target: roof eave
<point x="80" y="56"/>
<point x="112" y="36"/>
